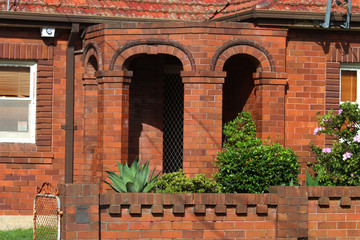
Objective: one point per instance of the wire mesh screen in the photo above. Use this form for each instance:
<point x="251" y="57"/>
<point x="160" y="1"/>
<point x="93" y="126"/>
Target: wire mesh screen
<point x="46" y="218"/>
<point x="173" y="123"/>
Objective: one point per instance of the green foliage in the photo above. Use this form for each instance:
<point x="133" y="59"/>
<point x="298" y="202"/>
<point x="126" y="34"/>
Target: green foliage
<point x="242" y="128"/>
<point x="177" y="182"/>
<point x="132" y="179"/>
<point x="17" y="234"/>
<point x="338" y="165"/>
<point x="310" y="181"/>
<point x="250" y="165"/>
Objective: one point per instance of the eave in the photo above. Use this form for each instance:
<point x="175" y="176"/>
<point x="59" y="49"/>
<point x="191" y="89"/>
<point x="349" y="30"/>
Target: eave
<point x="25" y="19"/>
<point x="290" y="18"/>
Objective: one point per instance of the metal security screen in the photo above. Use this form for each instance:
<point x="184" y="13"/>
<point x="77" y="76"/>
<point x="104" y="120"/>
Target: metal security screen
<point x="173" y="123"/>
<point x="46" y="214"/>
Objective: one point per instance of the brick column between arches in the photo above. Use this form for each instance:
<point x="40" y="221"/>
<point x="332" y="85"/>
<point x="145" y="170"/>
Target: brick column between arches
<point x="113" y="121"/>
<point x="89" y="169"/>
<point x="270" y="105"/>
<point x="202" y="120"/>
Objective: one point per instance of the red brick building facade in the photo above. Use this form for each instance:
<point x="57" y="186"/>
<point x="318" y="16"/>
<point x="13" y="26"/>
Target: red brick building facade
<point x="155" y="87"/>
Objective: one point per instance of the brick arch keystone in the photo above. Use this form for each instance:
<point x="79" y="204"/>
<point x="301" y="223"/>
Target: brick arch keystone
<point x="92" y="49"/>
<point x="243" y="46"/>
<point x="154" y="46"/>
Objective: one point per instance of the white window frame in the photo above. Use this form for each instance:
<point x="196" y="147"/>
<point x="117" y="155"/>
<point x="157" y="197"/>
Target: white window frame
<point x="351" y="67"/>
<point x="29" y="136"/>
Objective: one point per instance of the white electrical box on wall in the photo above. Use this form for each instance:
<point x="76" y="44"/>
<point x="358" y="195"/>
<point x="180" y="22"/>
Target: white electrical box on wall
<point x="47" y="32"/>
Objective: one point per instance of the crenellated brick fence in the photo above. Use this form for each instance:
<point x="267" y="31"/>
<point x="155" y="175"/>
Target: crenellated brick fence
<point x="284" y="213"/>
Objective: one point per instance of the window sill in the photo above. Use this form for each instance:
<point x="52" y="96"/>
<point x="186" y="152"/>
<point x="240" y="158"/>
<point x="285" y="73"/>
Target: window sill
<point x="26" y="157"/>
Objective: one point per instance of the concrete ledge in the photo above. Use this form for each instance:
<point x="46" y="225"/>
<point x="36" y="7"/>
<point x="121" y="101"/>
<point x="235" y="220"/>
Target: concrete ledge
<point x="14" y="222"/>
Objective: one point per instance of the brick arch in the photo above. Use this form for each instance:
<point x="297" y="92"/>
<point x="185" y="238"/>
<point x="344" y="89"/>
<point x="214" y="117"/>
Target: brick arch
<point x="92" y="49"/>
<point x="153" y="46"/>
<point x="243" y="46"/>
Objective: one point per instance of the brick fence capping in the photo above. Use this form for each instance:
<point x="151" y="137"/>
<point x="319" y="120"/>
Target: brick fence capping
<point x="284" y="213"/>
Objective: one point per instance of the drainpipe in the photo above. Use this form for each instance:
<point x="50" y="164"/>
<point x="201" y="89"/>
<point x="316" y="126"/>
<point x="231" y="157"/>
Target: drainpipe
<point x="348" y="16"/>
<point x="69" y="125"/>
<point x="326" y="23"/>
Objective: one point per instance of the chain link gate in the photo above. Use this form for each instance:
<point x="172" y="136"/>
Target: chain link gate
<point x="173" y="123"/>
<point x="47" y="213"/>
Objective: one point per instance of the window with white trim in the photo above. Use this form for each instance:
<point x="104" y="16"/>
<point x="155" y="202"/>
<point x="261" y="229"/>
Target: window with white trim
<point x="17" y="101"/>
<point x="349" y="84"/>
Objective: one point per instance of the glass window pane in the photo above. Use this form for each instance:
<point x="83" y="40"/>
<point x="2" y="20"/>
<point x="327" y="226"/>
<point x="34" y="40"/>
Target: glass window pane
<point x="348" y="86"/>
<point x="14" y="115"/>
<point x="14" y="81"/>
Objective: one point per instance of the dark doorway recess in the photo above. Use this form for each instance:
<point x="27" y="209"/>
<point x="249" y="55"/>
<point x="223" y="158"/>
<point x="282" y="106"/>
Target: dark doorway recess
<point x="156" y="107"/>
<point x="238" y="91"/>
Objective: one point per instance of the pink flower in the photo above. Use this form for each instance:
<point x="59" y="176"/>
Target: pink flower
<point x="316" y="130"/>
<point x="326" y="150"/>
<point x="356" y="138"/>
<point x="340" y="111"/>
<point x="347" y="155"/>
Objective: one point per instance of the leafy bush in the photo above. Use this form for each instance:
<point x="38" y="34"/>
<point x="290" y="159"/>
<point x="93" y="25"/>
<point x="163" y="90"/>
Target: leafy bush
<point x="250" y="165"/>
<point x="177" y="182"/>
<point x="339" y="165"/>
<point x="132" y="179"/>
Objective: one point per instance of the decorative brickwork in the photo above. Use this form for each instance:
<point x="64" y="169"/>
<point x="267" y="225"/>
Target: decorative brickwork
<point x="153" y="46"/>
<point x="284" y="213"/>
<point x="242" y="46"/>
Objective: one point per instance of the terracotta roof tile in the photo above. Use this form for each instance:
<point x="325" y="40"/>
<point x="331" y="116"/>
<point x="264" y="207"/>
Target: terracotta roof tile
<point x="168" y="9"/>
<point x="196" y="10"/>
<point x="238" y="6"/>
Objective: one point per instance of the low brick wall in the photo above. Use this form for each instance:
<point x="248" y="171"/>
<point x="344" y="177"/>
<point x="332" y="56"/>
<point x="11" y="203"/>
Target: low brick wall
<point x="284" y="213"/>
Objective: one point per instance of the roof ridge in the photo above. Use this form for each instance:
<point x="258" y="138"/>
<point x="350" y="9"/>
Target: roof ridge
<point x="112" y="7"/>
<point x="175" y="2"/>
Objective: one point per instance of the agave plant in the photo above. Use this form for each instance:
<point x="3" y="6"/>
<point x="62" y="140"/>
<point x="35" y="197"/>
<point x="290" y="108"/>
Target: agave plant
<point x="132" y="179"/>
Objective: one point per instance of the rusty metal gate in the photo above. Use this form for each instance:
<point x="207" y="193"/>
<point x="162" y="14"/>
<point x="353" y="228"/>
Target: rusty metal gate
<point x="47" y="213"/>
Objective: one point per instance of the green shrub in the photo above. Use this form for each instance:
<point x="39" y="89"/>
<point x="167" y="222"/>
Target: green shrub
<point x="177" y="182"/>
<point x="249" y="165"/>
<point x="132" y="179"/>
<point x="338" y="165"/>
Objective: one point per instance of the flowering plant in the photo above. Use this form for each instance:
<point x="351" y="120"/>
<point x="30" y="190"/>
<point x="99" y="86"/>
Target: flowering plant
<point x="339" y="165"/>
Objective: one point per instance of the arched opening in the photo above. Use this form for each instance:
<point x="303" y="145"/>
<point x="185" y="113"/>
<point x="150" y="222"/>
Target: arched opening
<point x="238" y="91"/>
<point x="92" y="63"/>
<point x="156" y="106"/>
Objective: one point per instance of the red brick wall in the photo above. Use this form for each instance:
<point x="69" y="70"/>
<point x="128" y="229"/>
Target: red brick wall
<point x="25" y="166"/>
<point x="313" y="67"/>
<point x="297" y="76"/>
<point x="285" y="213"/>
<point x="202" y="51"/>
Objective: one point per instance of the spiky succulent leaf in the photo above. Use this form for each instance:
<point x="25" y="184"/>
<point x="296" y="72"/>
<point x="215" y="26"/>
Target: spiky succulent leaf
<point x="151" y="183"/>
<point x="132" y="179"/>
<point x="117" y="182"/>
<point x="138" y="182"/>
<point x="116" y="190"/>
<point x="148" y="187"/>
<point x="131" y="187"/>
<point x="310" y="181"/>
<point x="135" y="166"/>
<point x="127" y="175"/>
<point x="144" y="173"/>
<point x="121" y="168"/>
